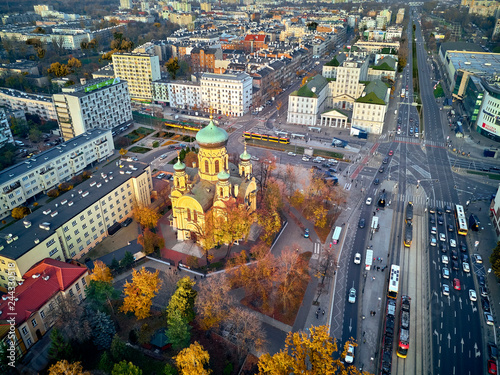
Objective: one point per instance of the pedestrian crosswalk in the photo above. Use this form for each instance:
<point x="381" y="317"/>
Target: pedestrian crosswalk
<point x="423" y="201"/>
<point x="347" y="186"/>
<point x="417" y="141"/>
<point x="316" y="250"/>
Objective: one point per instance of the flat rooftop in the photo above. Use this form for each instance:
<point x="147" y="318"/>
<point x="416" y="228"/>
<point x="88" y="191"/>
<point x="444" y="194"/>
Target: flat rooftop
<point x="24" y="95"/>
<point x="478" y="62"/>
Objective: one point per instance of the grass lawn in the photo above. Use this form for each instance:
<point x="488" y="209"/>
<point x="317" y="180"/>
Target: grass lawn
<point x="438" y="92"/>
<point x="188" y="138"/>
<point x="139" y="150"/>
<point x="329" y="154"/>
<point x="137" y="134"/>
<point x="164" y="135"/>
<point x="275" y="146"/>
<point x="491" y="176"/>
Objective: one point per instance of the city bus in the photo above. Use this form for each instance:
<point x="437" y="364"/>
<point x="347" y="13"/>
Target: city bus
<point x="336" y="235"/>
<point x="461" y="221"/>
<point x="393" y="282"/>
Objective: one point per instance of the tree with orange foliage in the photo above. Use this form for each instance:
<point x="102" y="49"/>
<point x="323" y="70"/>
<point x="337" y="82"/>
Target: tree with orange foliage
<point x="146" y="216"/>
<point x="233" y="224"/>
<point x="140" y="292"/>
<point x="65" y="368"/>
<point x="190" y="159"/>
<point x="193" y="360"/>
<point x="150" y="241"/>
<point x="101" y="272"/>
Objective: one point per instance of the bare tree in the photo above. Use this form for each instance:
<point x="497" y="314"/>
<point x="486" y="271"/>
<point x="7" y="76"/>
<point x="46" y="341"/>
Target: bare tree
<point x="244" y="329"/>
<point x="69" y="317"/>
<point x="213" y="301"/>
<point x="325" y="269"/>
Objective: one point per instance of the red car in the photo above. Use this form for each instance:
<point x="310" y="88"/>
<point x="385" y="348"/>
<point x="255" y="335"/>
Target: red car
<point x="456" y="284"/>
<point x="391" y="153"/>
<point x="492" y="366"/>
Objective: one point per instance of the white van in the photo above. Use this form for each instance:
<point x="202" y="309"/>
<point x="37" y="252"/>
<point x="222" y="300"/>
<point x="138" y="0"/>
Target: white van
<point x="19" y="143"/>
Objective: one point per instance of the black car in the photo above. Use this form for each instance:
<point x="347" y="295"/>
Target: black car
<point x="454" y="254"/>
<point x="325" y="165"/>
<point x="362" y="223"/>
<point x="455" y="265"/>
<point x="481" y="280"/>
<point x="432" y="220"/>
<point x="483" y="291"/>
<point x="127" y="222"/>
<point x="386" y="160"/>
<point x="332" y="170"/>
<point x="376" y="182"/>
<point x="382" y="169"/>
<point x="440" y="220"/>
<point x="451" y="228"/>
<point x="463" y="247"/>
<point x="447" y="208"/>
<point x="465" y="258"/>
<point x="485" y="303"/>
<point x="492" y="350"/>
<point x="439" y="211"/>
<point x="442" y="247"/>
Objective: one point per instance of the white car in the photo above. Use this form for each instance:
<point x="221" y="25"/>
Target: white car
<point x="254" y="158"/>
<point x="317" y="160"/>
<point x="466" y="267"/>
<point x="478" y="258"/>
<point x="305" y="158"/>
<point x="433" y="230"/>
<point x="352" y="295"/>
<point x="357" y="258"/>
<point x="446" y="273"/>
<point x="320" y="158"/>
<point x="444" y="259"/>
<point x="292" y="153"/>
<point x="433" y="241"/>
<point x="349" y="357"/>
<point x="368" y="201"/>
<point x="442" y="237"/>
<point x="163" y="156"/>
<point x="453" y="243"/>
<point x="446" y="289"/>
<point x="472" y="295"/>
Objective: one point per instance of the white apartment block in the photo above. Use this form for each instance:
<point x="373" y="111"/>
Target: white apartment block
<point x="140" y="70"/>
<point x="5" y="132"/>
<point x="369" y="110"/>
<point x="307" y="103"/>
<point x="40" y="105"/>
<point x="72" y="224"/>
<point x="179" y="94"/>
<point x="100" y="103"/>
<point x="228" y="94"/>
<point x="50" y="168"/>
<point x="346" y="88"/>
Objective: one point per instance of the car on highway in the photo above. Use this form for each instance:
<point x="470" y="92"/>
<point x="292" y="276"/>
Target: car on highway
<point x="453" y="243"/>
<point x="433" y="229"/>
<point x="492" y="366"/>
<point x="455" y="265"/>
<point x="442" y="237"/>
<point x="391" y="153"/>
<point x="466" y="267"/>
<point x="472" y="295"/>
<point x="439" y="211"/>
<point x="463" y="246"/>
<point x="381" y="169"/>
<point x="306" y="233"/>
<point x="447" y="208"/>
<point x="433" y="241"/>
<point x="357" y="258"/>
<point x="349" y="357"/>
<point x="483" y="291"/>
<point x="445" y="289"/>
<point x="465" y="258"/>
<point x="432" y="220"/>
<point x="451" y="228"/>
<point x="489" y="318"/>
<point x="492" y="350"/>
<point x="305" y="158"/>
<point x="445" y="259"/>
<point x="361" y="223"/>
<point x="485" y="303"/>
<point x="292" y="153"/>
<point x="456" y="284"/>
<point x="411" y="131"/>
<point x="432" y="210"/>
<point x="368" y="201"/>
<point x="442" y="247"/>
<point x="454" y="254"/>
<point x="352" y="295"/>
<point x="440" y="220"/>
<point x="477" y="258"/>
<point x="386" y="160"/>
<point x="376" y="182"/>
<point x="446" y="273"/>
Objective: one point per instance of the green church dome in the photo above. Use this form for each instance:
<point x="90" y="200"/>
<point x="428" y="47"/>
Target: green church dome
<point x="179" y="166"/>
<point x="245" y="156"/>
<point x="223" y="175"/>
<point x="211" y="135"/>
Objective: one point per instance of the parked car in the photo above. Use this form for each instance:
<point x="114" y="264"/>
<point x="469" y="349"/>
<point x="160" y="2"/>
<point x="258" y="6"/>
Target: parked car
<point x="127" y="222"/>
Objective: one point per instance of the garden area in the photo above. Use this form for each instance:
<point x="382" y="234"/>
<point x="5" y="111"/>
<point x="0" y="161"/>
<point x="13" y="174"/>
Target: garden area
<point x="139" y="149"/>
<point x="137" y="134"/>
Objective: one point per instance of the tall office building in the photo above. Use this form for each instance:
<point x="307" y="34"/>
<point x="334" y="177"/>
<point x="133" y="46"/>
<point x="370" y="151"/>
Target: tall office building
<point x="139" y="70"/>
<point x="100" y="103"/>
<point x="125" y="4"/>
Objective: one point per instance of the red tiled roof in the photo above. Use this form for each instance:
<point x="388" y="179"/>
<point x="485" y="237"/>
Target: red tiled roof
<point x="35" y="292"/>
<point x="255" y="37"/>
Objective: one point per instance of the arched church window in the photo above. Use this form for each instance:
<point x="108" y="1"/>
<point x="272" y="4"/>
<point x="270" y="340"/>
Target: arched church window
<point x="188" y="214"/>
<point x="216" y="166"/>
<point x="206" y="166"/>
<point x="195" y="216"/>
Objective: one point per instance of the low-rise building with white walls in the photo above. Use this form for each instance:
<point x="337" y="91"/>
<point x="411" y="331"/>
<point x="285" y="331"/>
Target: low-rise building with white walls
<point x="369" y="110"/>
<point x="100" y="103"/>
<point x="48" y="169"/>
<point x="34" y="104"/>
<point x="307" y="103"/>
<point x="76" y="221"/>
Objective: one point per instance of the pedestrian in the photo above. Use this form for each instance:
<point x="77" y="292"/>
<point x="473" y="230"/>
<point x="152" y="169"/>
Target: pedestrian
<point x="317" y="316"/>
<point x="479" y="208"/>
<point x="373" y="278"/>
<point x="378" y="268"/>
<point x="323" y="312"/>
<point x="364" y="333"/>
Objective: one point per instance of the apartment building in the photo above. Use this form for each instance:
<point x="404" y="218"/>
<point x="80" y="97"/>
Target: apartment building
<point x="72" y="224"/>
<point x="347" y="87"/>
<point x="99" y="103"/>
<point x="369" y="110"/>
<point x="5" y="132"/>
<point x="179" y="94"/>
<point x="139" y="70"/>
<point x="125" y="4"/>
<point x="329" y="70"/>
<point x="384" y="69"/>
<point x="485" y="8"/>
<point x="48" y="169"/>
<point x="228" y="94"/>
<point x="36" y="296"/>
<point x="495" y="213"/>
<point x="305" y="104"/>
<point x="400" y="16"/>
<point x="203" y="59"/>
<point x="34" y="104"/>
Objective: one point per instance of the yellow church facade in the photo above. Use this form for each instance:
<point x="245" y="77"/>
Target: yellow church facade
<point x="213" y="183"/>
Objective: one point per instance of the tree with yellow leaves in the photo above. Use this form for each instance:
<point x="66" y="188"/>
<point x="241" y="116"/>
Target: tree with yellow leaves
<point x="101" y="272"/>
<point x="193" y="360"/>
<point x="140" y="292"/>
<point x="123" y="152"/>
<point x="146" y="216"/>
<point x="66" y="368"/>
<point x="234" y="224"/>
<point x="213" y="301"/>
<point x="308" y="354"/>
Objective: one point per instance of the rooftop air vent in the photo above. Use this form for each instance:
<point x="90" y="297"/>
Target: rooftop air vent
<point x="93" y="183"/>
<point x="64" y="202"/>
<point x="37" y="241"/>
<point x="80" y="191"/>
<point x="44" y="226"/>
<point x="27" y="223"/>
<point x="36" y="276"/>
<point x="99" y="185"/>
<point x="46" y="277"/>
<point x="54" y="214"/>
<point x="70" y="203"/>
<point x="46" y="212"/>
<point x="85" y="194"/>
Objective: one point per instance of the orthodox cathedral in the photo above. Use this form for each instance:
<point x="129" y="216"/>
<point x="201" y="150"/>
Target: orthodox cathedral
<point x="213" y="183"/>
